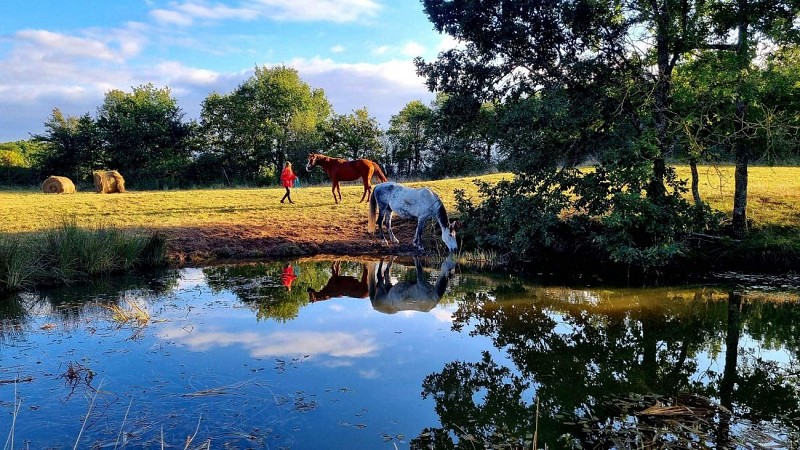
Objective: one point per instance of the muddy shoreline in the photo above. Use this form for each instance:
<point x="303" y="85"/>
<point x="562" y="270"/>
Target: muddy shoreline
<point x="230" y="242"/>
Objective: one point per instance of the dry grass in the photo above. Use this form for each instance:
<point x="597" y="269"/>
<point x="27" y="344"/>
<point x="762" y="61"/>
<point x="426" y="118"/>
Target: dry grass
<point x="132" y="313"/>
<point x="34" y="211"/>
<point x="773" y="193"/>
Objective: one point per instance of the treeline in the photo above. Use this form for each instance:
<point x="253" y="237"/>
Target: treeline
<point x="241" y="138"/>
<point x="244" y="136"/>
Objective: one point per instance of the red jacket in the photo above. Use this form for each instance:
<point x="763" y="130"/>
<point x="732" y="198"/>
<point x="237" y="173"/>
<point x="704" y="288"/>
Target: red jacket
<point x="288" y="177"/>
<point x="288" y="276"/>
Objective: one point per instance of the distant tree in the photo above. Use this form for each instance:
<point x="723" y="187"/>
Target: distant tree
<point x="463" y="134"/>
<point x="353" y="136"/>
<point x="269" y="118"/>
<point x="409" y="137"/>
<point x="71" y="147"/>
<point x="143" y="135"/>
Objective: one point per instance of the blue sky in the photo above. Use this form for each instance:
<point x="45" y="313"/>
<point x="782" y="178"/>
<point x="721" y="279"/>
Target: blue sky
<point x="68" y="54"/>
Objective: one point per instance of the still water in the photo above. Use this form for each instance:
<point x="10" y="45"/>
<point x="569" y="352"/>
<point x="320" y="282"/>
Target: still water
<point x="317" y="354"/>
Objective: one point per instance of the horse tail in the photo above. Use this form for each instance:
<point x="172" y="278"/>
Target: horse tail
<point x="379" y="172"/>
<point x="373" y="213"/>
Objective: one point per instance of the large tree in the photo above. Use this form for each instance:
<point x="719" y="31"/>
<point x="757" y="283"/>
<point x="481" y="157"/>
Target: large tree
<point x="271" y="116"/>
<point x="409" y="137"/>
<point x="353" y="136"/>
<point x="143" y="135"/>
<point x="601" y="73"/>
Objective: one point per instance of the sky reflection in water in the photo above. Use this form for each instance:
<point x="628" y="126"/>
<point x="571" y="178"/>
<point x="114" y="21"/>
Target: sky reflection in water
<point x="229" y="351"/>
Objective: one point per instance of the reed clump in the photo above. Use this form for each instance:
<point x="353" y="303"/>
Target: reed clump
<point x="67" y="254"/>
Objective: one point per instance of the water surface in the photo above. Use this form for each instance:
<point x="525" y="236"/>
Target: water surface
<point x="354" y="354"/>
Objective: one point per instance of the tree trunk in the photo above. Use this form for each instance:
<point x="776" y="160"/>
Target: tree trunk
<point x="739" y="219"/>
<point x="656" y="190"/>
<point x="742" y="155"/>
<point x="729" y="374"/>
<point x="695" y="181"/>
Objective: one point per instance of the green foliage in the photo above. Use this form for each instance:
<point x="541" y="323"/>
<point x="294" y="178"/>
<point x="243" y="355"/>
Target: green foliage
<point x="71" y="147"/>
<point x="520" y="217"/>
<point x="353" y="136"/>
<point x="408" y="138"/>
<point x="270" y="118"/>
<point x="143" y="135"/>
<point x="67" y="254"/>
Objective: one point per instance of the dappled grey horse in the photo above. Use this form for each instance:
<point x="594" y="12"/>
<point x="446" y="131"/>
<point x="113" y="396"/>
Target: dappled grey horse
<point x="423" y="204"/>
<point x="419" y="295"/>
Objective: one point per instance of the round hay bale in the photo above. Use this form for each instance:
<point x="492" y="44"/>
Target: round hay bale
<point x="108" y="182"/>
<point x="58" y="185"/>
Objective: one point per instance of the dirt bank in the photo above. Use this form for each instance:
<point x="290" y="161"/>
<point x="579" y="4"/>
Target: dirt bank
<point x="226" y="241"/>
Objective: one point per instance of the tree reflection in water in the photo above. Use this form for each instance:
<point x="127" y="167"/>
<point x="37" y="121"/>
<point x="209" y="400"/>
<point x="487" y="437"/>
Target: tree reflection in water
<point x="617" y="371"/>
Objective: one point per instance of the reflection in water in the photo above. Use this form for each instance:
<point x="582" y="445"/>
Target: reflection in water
<point x="592" y="375"/>
<point x="339" y="285"/>
<point x="416" y="295"/>
<point x="576" y="368"/>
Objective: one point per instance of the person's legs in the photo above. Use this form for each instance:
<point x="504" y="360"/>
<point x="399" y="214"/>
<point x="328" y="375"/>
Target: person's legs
<point x="286" y="195"/>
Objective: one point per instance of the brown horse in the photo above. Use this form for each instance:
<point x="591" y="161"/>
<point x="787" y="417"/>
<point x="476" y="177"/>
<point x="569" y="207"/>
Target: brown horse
<point x="342" y="285"/>
<point x="339" y="169"/>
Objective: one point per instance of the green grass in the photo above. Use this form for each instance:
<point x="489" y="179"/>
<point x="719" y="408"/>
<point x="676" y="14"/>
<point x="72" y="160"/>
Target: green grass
<point x="25" y="211"/>
<point x="67" y="253"/>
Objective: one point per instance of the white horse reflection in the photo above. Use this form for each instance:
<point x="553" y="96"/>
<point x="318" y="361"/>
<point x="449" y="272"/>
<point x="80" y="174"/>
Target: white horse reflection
<point x="406" y="295"/>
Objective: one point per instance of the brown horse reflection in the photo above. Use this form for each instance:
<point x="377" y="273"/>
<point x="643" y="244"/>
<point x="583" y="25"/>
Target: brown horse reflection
<point x="419" y="295"/>
<point x="342" y="285"/>
<point x="339" y="169"/>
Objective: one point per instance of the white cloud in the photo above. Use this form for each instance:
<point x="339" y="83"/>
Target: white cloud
<point x="412" y="49"/>
<point x="175" y="73"/>
<point x="384" y="88"/>
<point x="338" y="11"/>
<point x="382" y="50"/>
<point x="337" y="49"/>
<point x="448" y="42"/>
<point x="42" y="44"/>
<point x="261" y="345"/>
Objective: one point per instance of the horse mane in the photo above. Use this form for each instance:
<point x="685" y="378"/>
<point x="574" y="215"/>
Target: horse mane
<point x="328" y="158"/>
<point x="441" y="216"/>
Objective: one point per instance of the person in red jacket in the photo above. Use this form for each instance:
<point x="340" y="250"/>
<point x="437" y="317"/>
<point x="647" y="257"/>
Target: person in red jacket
<point x="287" y="180"/>
<point x="288" y="276"/>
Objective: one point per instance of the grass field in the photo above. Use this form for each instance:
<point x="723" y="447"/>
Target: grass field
<point x="774" y="199"/>
<point x="773" y="192"/>
<point x="207" y="224"/>
<point x="25" y="211"/>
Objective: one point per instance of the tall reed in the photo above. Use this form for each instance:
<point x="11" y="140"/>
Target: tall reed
<point x="67" y="253"/>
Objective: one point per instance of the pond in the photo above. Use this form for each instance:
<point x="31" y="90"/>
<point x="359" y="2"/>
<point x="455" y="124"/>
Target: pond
<point x="396" y="353"/>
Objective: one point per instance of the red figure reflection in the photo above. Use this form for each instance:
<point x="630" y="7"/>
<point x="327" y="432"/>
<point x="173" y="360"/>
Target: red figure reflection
<point x="288" y="276"/>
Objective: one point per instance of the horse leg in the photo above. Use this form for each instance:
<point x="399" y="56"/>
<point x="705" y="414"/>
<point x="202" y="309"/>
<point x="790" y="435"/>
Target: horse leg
<point x="381" y="213"/>
<point x="389" y="226"/>
<point x="333" y="191"/>
<point x="418" y="234"/>
<point x="339" y="191"/>
<point x="367" y="187"/>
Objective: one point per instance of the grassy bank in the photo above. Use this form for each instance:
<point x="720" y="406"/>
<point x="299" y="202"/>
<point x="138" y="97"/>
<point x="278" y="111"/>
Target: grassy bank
<point x="251" y="222"/>
<point x="67" y="253"/>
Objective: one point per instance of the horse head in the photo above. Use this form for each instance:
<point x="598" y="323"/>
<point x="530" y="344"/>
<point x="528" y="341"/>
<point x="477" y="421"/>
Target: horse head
<point x="449" y="235"/>
<point x="312" y="161"/>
